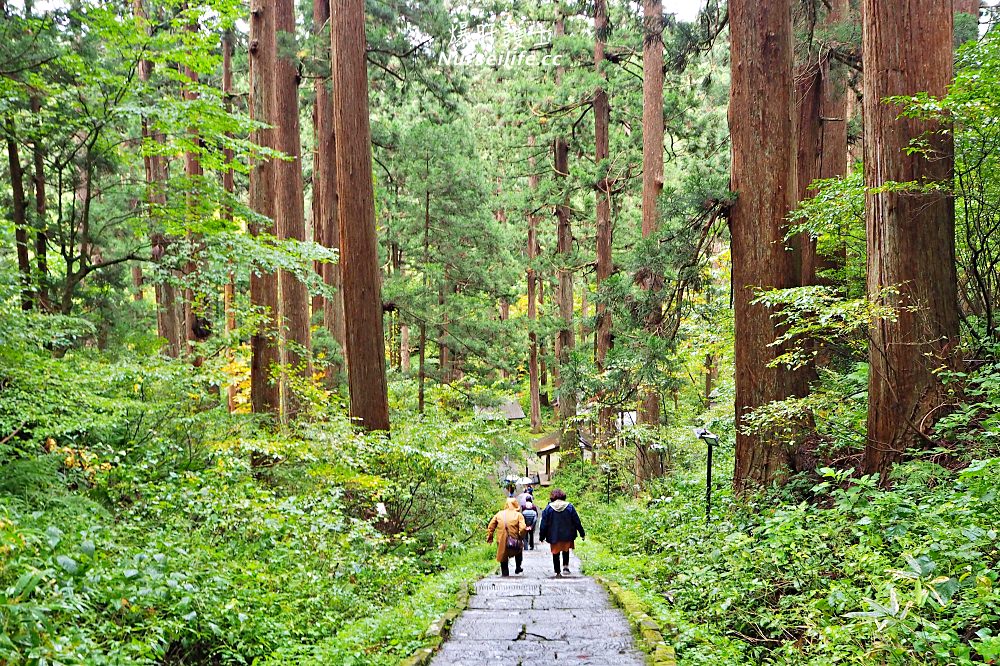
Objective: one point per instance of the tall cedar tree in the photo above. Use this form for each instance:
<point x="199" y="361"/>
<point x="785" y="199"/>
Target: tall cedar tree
<point x="564" y="247"/>
<point x="359" y="258"/>
<point x="265" y="393"/>
<point x="764" y="178"/>
<point x="652" y="184"/>
<point x="193" y="311"/>
<point x="168" y="320"/>
<point x="325" y="223"/>
<point x="535" y="409"/>
<point x="911" y="234"/>
<point x="602" y="122"/>
<point x="289" y="213"/>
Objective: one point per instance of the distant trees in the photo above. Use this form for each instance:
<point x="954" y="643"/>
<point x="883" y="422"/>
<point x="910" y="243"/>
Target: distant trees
<point x="910" y="220"/>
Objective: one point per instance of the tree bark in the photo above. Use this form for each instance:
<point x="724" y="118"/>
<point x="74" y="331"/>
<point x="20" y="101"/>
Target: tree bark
<point x="265" y="393"/>
<point x="194" y="312"/>
<point x="20" y="216"/>
<point x="764" y="176"/>
<point x="821" y="94"/>
<point x="566" y="339"/>
<point x="361" y="279"/>
<point x="41" y="221"/>
<point x="646" y="463"/>
<point x="543" y="374"/>
<point x="967" y="7"/>
<point x="404" y="349"/>
<point x="534" y="409"/>
<point x="289" y="215"/>
<point x="652" y="183"/>
<point x="325" y="187"/>
<point x="911" y="235"/>
<point x="602" y="123"/>
<point x="422" y="377"/>
<point x="168" y="320"/>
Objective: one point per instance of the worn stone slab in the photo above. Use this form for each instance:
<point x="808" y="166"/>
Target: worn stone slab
<point x="537" y="619"/>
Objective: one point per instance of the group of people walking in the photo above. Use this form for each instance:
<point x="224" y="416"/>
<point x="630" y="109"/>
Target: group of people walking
<point x="515" y="525"/>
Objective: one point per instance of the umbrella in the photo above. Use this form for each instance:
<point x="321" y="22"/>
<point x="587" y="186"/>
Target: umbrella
<point x="510" y="478"/>
<point x="525" y="481"/>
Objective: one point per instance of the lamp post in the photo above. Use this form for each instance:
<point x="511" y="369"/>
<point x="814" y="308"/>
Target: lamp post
<point x="711" y="440"/>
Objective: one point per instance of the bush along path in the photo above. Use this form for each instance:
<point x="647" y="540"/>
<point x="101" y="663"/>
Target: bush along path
<point x="534" y="618"/>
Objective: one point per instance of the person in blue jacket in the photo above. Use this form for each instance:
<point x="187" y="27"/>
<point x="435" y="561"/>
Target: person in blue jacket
<point x="560" y="525"/>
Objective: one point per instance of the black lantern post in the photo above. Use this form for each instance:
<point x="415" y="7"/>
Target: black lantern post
<point x="711" y="440"/>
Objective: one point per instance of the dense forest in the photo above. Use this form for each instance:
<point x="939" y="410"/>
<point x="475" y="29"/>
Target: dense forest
<point x="266" y="266"/>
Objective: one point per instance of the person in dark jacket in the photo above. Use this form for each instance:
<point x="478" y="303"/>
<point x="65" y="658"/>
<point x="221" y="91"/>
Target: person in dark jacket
<point x="530" y="513"/>
<point x="560" y="525"/>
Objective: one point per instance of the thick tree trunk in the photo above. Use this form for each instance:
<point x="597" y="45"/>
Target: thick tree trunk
<point x="602" y="123"/>
<point x="289" y="214"/>
<point x="20" y="216"/>
<point x="534" y="409"/>
<point x="646" y="463"/>
<point x="325" y="186"/>
<point x="41" y="221"/>
<point x="362" y="282"/>
<point x="764" y="177"/>
<point x="911" y="235"/>
<point x="265" y="393"/>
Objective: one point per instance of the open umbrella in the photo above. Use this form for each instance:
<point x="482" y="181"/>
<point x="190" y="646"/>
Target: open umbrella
<point x="525" y="481"/>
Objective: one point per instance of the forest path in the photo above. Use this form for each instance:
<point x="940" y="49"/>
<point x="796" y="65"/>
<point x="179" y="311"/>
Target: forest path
<point x="534" y="619"/>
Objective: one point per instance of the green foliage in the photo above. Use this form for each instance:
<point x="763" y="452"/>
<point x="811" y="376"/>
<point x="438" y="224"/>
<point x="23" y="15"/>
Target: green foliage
<point x="852" y="574"/>
<point x="134" y="529"/>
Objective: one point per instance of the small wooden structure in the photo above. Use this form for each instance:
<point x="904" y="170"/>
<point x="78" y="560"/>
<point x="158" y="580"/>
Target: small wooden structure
<point x="508" y="410"/>
<point x="548" y="444"/>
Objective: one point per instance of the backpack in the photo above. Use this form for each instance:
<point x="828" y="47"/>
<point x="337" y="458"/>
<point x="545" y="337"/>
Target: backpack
<point x="530" y="516"/>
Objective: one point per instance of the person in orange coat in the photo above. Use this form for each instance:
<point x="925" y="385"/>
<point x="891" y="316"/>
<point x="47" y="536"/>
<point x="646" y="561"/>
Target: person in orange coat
<point x="508" y="522"/>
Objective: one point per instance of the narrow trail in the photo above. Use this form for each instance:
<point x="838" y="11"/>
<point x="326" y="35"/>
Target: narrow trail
<point x="534" y="619"/>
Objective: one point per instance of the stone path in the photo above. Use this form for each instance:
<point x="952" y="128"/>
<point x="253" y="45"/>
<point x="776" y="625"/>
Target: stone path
<point x="534" y="619"/>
